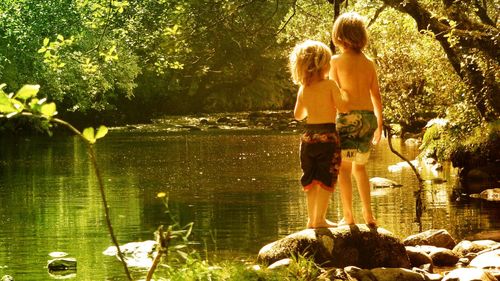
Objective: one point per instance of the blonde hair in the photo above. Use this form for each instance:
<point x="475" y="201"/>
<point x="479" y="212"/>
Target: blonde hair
<point x="308" y="60"/>
<point x="349" y="31"/>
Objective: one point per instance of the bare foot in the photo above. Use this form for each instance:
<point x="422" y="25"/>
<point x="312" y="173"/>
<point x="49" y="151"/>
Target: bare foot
<point x="343" y="221"/>
<point x="324" y="224"/>
<point x="369" y="219"/>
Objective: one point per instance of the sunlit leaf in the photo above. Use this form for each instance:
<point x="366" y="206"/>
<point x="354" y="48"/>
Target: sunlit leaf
<point x="45" y="42"/>
<point x="101" y="132"/>
<point x="27" y="91"/>
<point x="88" y="134"/>
<point x="161" y="194"/>
<point x="6" y="104"/>
<point x="48" y="109"/>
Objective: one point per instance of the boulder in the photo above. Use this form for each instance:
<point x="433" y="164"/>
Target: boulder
<point x="433" y="237"/>
<point x="356" y="245"/>
<point x="468" y="274"/>
<point x="444" y="257"/>
<point x="489" y="261"/>
<point x="417" y="256"/>
<point x="465" y="246"/>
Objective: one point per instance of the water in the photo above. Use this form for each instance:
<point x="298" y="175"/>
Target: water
<point x="240" y="188"/>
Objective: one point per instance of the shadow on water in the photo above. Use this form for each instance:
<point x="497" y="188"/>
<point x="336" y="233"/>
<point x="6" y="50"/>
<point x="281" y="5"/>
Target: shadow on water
<point x="240" y="188"/>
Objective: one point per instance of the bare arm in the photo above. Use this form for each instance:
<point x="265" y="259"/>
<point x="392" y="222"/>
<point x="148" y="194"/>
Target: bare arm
<point x="300" y="111"/>
<point x="377" y="106"/>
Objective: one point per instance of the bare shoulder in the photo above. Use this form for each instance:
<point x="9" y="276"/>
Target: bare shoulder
<point x="332" y="85"/>
<point x="370" y="61"/>
<point x="334" y="59"/>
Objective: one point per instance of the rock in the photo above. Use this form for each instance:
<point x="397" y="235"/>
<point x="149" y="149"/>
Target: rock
<point x="377" y="182"/>
<point x="444" y="257"/>
<point x="400" y="274"/>
<point x="428" y="275"/>
<point x="136" y="254"/>
<point x="486" y="235"/>
<point x="489" y="261"/>
<point x="223" y="120"/>
<point x="356" y="273"/>
<point x="468" y="274"/>
<point x="433" y="237"/>
<point x="280" y="263"/>
<point x="62" y="264"/>
<point x="417" y="257"/>
<point x="355" y="245"/>
<point x="492" y="194"/>
<point x="337" y="274"/>
<point x="466" y="246"/>
<point x="7" y="278"/>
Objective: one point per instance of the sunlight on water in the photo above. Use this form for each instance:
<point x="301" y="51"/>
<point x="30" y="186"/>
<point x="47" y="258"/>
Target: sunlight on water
<point x="241" y="190"/>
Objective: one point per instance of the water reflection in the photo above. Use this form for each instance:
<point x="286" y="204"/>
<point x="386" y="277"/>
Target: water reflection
<point x="241" y="190"/>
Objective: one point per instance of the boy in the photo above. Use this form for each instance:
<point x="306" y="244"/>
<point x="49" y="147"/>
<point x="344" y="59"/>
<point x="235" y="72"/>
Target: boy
<point x="359" y="117"/>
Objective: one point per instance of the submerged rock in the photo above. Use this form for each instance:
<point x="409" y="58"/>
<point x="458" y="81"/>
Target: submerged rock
<point x="355" y="245"/>
<point x="377" y="182"/>
<point x="433" y="237"/>
<point x="61" y="264"/>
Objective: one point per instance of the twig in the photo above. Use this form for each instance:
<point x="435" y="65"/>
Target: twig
<point x="93" y="159"/>
<point x="163" y="240"/>
<point x="388" y="132"/>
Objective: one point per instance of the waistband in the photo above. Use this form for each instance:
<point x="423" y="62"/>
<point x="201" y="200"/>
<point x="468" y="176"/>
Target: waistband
<point x="320" y="128"/>
<point x="356" y="112"/>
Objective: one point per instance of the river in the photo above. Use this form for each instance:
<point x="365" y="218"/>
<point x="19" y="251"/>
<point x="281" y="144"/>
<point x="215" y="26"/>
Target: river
<point x="239" y="187"/>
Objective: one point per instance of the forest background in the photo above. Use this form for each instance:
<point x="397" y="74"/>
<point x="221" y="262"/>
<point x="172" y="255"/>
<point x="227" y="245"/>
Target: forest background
<point x="119" y="62"/>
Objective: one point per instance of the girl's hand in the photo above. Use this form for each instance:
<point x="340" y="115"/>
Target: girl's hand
<point x="376" y="136"/>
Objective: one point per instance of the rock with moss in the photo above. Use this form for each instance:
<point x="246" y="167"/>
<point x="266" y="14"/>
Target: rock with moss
<point x="356" y="245"/>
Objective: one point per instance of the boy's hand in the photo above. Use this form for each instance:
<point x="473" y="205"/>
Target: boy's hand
<point x="376" y="136"/>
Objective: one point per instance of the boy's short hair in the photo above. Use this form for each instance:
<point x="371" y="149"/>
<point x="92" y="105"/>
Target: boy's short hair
<point x="308" y="60"/>
<point x="349" y="31"/>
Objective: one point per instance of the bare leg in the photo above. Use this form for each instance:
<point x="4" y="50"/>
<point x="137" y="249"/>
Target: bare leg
<point x="323" y="201"/>
<point x="359" y="172"/>
<point x="345" y="184"/>
<point x="317" y="206"/>
<point x="312" y="194"/>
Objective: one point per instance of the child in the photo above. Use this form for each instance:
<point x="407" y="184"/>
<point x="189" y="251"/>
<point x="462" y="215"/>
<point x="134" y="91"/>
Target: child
<point x="359" y="120"/>
<point x="319" y="147"/>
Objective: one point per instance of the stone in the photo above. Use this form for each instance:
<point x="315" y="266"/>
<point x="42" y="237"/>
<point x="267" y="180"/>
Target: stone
<point x="356" y="245"/>
<point x="468" y="274"/>
<point x="417" y="256"/>
<point x="400" y="274"/>
<point x="280" y="263"/>
<point x="377" y="182"/>
<point x="489" y="261"/>
<point x="433" y="237"/>
<point x="7" y="278"/>
<point x="465" y="247"/>
<point x="356" y="273"/>
<point x="485" y="235"/>
<point x="444" y="257"/>
<point x="61" y="264"/>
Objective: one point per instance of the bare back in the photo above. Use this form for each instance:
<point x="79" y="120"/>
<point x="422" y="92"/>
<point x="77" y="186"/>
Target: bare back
<point x="317" y="102"/>
<point x="356" y="76"/>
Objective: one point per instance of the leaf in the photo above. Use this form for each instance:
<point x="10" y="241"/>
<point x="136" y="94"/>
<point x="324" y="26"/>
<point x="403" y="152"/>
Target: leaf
<point x="88" y="134"/>
<point x="48" y="109"/>
<point x="45" y="41"/>
<point x="101" y="132"/>
<point x="6" y="104"/>
<point x="27" y="91"/>
<point x="182" y="254"/>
